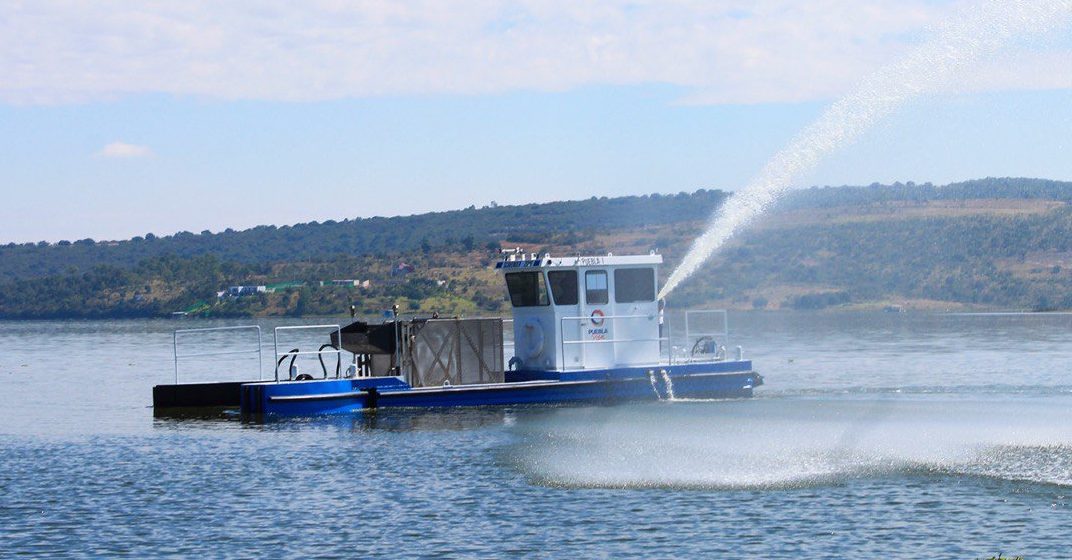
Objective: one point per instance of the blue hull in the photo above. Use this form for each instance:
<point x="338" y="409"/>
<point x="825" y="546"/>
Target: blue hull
<point x="341" y="396"/>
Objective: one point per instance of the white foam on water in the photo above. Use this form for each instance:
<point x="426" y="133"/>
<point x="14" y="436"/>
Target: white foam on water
<point x="790" y="443"/>
<point x="978" y="31"/>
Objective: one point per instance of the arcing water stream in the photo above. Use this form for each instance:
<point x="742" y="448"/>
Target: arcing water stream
<point x="978" y="31"/>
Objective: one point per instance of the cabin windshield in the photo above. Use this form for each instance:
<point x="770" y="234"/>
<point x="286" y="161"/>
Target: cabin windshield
<point x="632" y="285"/>
<point x="563" y="286"/>
<point x="527" y="289"/>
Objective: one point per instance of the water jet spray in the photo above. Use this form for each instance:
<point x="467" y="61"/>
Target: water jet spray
<point x="977" y="31"/>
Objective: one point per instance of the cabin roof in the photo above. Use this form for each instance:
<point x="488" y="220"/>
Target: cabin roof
<point x="547" y="261"/>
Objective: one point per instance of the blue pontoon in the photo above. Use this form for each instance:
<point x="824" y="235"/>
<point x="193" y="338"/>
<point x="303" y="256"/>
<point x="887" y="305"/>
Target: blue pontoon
<point x="583" y="329"/>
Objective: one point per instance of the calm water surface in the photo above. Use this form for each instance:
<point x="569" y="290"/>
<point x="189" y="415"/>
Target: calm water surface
<point x="877" y="435"/>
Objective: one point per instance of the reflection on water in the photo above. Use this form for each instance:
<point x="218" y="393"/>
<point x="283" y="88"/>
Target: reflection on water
<point x="875" y="434"/>
<point x="409" y="420"/>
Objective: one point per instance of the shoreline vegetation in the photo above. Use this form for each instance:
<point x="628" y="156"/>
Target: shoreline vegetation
<point x="989" y="244"/>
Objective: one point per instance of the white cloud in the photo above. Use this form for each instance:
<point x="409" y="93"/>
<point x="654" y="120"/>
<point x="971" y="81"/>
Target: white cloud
<point x="124" y="150"/>
<point x="728" y="51"/>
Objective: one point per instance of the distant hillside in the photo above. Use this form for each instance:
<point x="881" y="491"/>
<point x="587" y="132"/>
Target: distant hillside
<point x="1006" y="188"/>
<point x="468" y="228"/>
<point x="991" y="243"/>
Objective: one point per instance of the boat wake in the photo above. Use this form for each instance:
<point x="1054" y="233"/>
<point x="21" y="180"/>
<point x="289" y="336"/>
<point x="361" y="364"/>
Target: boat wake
<point x="774" y="443"/>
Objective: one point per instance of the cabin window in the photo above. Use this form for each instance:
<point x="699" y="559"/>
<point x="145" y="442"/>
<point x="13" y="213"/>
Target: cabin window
<point x="563" y="286"/>
<point x="527" y="289"/>
<point x="633" y="285"/>
<point x="595" y="287"/>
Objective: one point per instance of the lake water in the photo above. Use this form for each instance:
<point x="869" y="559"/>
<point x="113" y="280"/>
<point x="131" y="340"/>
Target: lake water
<point x="876" y="436"/>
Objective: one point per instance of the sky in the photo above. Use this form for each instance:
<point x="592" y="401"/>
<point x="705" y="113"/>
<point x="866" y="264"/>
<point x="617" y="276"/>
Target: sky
<point x="120" y="118"/>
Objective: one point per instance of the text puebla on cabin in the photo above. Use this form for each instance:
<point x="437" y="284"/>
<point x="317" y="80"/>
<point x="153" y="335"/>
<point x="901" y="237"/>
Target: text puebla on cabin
<point x="583" y="329"/>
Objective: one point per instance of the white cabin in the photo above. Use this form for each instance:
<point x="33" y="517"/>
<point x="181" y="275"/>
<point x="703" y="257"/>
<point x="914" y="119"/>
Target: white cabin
<point x="584" y="312"/>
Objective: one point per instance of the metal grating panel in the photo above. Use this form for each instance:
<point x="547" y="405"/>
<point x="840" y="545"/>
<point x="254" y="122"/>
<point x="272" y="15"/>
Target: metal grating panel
<point x="455" y="351"/>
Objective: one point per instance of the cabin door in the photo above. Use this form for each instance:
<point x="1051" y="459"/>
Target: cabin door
<point x="565" y="288"/>
<point x="597" y="327"/>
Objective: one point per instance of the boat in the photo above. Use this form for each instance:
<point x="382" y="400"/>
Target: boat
<point x="583" y="329"/>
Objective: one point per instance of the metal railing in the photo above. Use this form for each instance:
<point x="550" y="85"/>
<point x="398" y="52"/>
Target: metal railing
<point x="258" y="351"/>
<point x="583" y="343"/>
<point x="275" y="344"/>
